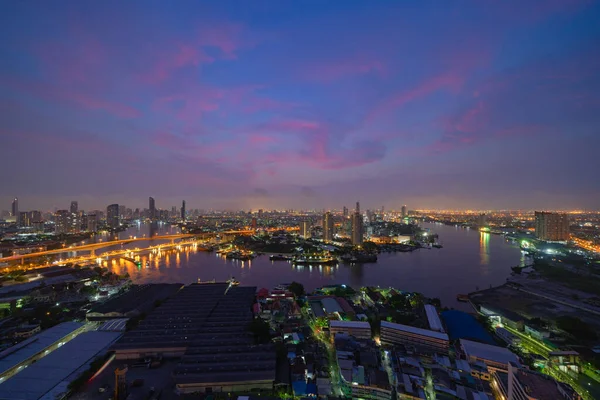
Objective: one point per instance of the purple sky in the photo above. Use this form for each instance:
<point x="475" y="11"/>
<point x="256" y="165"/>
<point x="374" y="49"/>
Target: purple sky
<point x="300" y="104"/>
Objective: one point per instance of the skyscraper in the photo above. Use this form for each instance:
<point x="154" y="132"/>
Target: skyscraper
<point x="62" y="221"/>
<point x="345" y="212"/>
<point x="552" y="226"/>
<point x="183" y="210"/>
<point x="327" y="227"/>
<point x="74" y="207"/>
<point x="357" y="229"/>
<point x="358" y="207"/>
<point x="481" y="221"/>
<point x="306" y="229"/>
<point x="152" y="208"/>
<point x="92" y="222"/>
<point x="15" y="210"/>
<point x="404" y="211"/>
<point x="112" y="216"/>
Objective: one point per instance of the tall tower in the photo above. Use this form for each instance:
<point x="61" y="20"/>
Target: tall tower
<point x="327" y="227"/>
<point x="553" y="227"/>
<point x="358" y="207"/>
<point x="62" y="221"/>
<point x="152" y="208"/>
<point x="183" y="210"/>
<point x="357" y="229"/>
<point x="306" y="228"/>
<point x="112" y="216"/>
<point x="74" y="207"/>
<point x="345" y="212"/>
<point x="404" y="211"/>
<point x="15" y="210"/>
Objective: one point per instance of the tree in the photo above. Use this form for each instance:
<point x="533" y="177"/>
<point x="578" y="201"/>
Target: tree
<point x="297" y="289"/>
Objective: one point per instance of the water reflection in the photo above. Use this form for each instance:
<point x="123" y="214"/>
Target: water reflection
<point x="463" y="264"/>
<point x="484" y="246"/>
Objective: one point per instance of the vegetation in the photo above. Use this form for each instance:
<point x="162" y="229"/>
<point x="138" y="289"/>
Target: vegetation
<point x="583" y="282"/>
<point x="297" y="289"/>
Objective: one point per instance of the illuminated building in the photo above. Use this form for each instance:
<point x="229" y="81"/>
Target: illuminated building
<point x="62" y="221"/>
<point x="306" y="229"/>
<point x="74" y="207"/>
<point x="15" y="210"/>
<point x="92" y="222"/>
<point x="357" y="229"/>
<point x="345" y="212"/>
<point x="112" y="216"/>
<point x="524" y="384"/>
<point x="552" y="226"/>
<point x="425" y="339"/>
<point x="481" y="221"/>
<point x="404" y="211"/>
<point x="152" y="208"/>
<point x="253" y="223"/>
<point x="183" y="210"/>
<point x="327" y="227"/>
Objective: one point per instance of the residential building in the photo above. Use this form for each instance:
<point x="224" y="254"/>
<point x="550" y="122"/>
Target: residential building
<point x="74" y="207"/>
<point x="183" y="210"/>
<point x="112" y="216"/>
<point x="551" y="226"/>
<point x="404" y="211"/>
<point x="152" y="208"/>
<point x="495" y="357"/>
<point x="357" y="229"/>
<point x="15" y="210"/>
<point x="424" y="339"/>
<point x="306" y="229"/>
<point x="327" y="227"/>
<point x="358" y="329"/>
<point x="62" y="222"/>
<point x="92" y="222"/>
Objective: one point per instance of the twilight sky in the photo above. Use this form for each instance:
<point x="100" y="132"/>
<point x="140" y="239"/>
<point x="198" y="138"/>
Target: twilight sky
<point x="300" y="104"/>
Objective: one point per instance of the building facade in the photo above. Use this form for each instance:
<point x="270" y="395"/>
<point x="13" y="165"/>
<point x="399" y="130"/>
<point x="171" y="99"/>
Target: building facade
<point x="327" y="227"/>
<point x="306" y="229"/>
<point x="551" y="226"/>
<point x="393" y="334"/>
<point x="357" y="229"/>
<point x="112" y="216"/>
<point x="62" y="221"/>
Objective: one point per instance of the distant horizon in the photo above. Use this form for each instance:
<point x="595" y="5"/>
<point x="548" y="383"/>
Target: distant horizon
<point x="267" y="104"/>
<point x="350" y="206"/>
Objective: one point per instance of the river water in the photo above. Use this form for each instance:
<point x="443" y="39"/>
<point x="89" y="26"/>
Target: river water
<point x="469" y="260"/>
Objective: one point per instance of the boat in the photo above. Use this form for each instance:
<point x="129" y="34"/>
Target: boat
<point x="315" y="260"/>
<point x="462" y="297"/>
<point x="279" y="257"/>
<point x="437" y="246"/>
<point x="200" y="281"/>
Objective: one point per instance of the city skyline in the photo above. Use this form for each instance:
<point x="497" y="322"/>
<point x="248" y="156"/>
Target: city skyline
<point x="307" y="106"/>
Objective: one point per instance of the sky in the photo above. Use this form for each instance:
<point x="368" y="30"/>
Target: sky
<point x="483" y="104"/>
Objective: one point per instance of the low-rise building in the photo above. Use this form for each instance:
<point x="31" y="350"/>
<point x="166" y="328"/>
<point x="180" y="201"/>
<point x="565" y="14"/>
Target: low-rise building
<point x="358" y="329"/>
<point x="495" y="357"/>
<point x="424" y="339"/>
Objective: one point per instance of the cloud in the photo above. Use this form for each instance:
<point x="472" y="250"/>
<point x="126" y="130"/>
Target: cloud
<point x="332" y="71"/>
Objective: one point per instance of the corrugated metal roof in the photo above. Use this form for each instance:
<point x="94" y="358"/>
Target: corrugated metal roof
<point x="349" y="324"/>
<point x="416" y="331"/>
<point x="488" y="352"/>
<point x="17" y="354"/>
<point x="55" y="367"/>
<point x="434" y="320"/>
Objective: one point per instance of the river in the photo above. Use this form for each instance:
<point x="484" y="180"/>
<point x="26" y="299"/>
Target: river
<point x="469" y="260"/>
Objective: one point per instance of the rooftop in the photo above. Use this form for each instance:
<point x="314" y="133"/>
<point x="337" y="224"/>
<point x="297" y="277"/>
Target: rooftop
<point x="349" y="324"/>
<point x="19" y="353"/>
<point x="538" y="385"/>
<point x="463" y="326"/>
<point x="416" y="331"/>
<point x="57" y="366"/>
<point x="488" y="352"/>
<point x="433" y="318"/>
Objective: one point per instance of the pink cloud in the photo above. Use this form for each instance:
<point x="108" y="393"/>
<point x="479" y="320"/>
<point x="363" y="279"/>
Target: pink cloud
<point x="328" y="72"/>
<point x="449" y="81"/>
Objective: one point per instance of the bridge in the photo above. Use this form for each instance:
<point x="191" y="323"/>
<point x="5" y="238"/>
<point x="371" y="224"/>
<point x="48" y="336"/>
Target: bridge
<point x="92" y="247"/>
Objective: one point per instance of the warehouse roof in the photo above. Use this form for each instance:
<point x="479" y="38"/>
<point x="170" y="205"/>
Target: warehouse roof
<point x="488" y="352"/>
<point x="416" y="331"/>
<point x="349" y="324"/>
<point x="19" y="353"/>
<point x="57" y="366"/>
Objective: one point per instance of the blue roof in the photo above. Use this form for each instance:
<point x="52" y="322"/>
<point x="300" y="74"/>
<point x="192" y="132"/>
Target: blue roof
<point x="299" y="388"/>
<point x="463" y="326"/>
<point x="311" y="388"/>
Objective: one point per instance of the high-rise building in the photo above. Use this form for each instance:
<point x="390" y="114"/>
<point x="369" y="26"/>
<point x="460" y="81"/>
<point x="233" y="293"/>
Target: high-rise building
<point x="327" y="227"/>
<point x="112" y="216"/>
<point x="358" y="207"/>
<point x="122" y="212"/>
<point x="306" y="229"/>
<point x="260" y="213"/>
<point x="24" y="219"/>
<point x="152" y="208"/>
<point x="253" y="224"/>
<point x="62" y="221"/>
<point x="183" y="210"/>
<point x="92" y="222"/>
<point x="404" y="211"/>
<point x="552" y="226"/>
<point x="481" y="221"/>
<point x="357" y="229"/>
<point x="35" y="216"/>
<point x="15" y="210"/>
<point x="74" y="207"/>
<point x="345" y="212"/>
